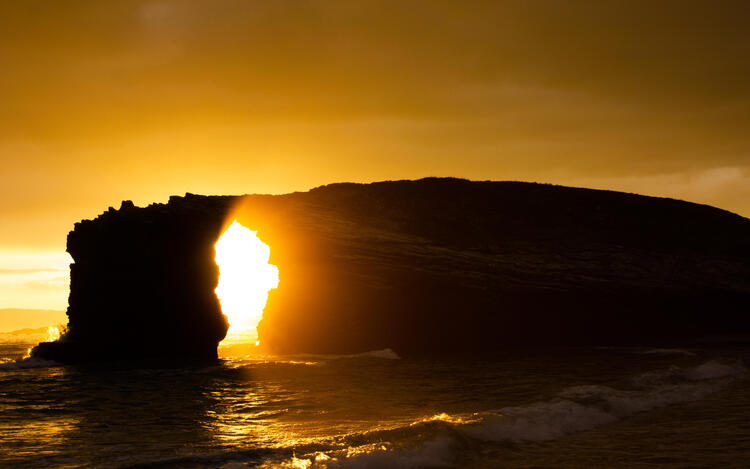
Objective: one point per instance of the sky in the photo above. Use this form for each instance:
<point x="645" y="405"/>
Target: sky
<point x="106" y="101"/>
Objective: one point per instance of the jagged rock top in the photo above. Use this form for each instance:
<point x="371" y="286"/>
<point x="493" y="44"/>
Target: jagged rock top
<point x="438" y="264"/>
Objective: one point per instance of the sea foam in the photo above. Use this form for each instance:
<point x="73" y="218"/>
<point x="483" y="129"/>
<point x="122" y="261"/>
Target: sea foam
<point x="572" y="410"/>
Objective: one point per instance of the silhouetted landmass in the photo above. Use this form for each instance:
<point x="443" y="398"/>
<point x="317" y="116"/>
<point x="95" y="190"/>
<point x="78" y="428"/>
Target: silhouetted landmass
<point x="422" y="267"/>
<point x="142" y="284"/>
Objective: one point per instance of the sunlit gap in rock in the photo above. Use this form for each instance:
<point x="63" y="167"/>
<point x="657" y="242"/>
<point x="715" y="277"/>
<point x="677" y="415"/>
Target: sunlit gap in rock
<point x="245" y="278"/>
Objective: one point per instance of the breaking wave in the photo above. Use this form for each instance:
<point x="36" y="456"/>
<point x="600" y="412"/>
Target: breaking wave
<point x="669" y="351"/>
<point x="436" y="441"/>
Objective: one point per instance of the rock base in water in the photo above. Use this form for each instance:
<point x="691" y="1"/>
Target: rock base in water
<point x="421" y="267"/>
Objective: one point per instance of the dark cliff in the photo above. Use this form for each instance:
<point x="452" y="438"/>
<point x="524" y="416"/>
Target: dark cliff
<point x="142" y="284"/>
<point x="422" y="267"/>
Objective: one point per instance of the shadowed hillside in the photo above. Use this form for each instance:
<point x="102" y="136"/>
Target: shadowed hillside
<point x="422" y="267"/>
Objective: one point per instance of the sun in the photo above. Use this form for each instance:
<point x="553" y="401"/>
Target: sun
<point x="245" y="278"/>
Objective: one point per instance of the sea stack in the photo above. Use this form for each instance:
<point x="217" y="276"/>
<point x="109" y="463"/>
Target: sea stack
<point x="142" y="284"/>
<point x="434" y="266"/>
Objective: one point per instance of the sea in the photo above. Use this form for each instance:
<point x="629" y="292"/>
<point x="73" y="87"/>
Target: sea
<point x="557" y="408"/>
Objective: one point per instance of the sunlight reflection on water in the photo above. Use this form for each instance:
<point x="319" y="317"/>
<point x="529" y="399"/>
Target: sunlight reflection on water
<point x="279" y="411"/>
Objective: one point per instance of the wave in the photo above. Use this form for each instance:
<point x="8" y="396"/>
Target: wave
<point x="26" y="363"/>
<point x="439" y="440"/>
<point x="585" y="407"/>
<point x="385" y="353"/>
<point x="669" y="351"/>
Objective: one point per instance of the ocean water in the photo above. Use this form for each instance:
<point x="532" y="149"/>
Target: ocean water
<point x="562" y="408"/>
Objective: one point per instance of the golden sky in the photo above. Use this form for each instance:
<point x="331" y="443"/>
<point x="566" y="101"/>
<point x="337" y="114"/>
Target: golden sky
<point x="104" y="101"/>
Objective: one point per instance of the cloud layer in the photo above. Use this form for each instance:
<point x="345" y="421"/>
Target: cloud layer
<point x="104" y="101"/>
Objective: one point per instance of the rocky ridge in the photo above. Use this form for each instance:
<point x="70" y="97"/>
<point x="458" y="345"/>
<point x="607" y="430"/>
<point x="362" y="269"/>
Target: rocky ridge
<point x="426" y="267"/>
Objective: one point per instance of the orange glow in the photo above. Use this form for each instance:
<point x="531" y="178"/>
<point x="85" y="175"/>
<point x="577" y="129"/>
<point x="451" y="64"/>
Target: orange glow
<point x="53" y="333"/>
<point x="245" y="277"/>
<point x="260" y="97"/>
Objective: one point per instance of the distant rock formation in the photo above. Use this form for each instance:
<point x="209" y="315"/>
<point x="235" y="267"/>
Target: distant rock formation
<point x="422" y="267"/>
<point x="142" y="284"/>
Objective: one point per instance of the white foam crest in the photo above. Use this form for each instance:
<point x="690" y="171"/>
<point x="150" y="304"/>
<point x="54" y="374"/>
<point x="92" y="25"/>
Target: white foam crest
<point x="713" y="369"/>
<point x="385" y="353"/>
<point x="581" y="408"/>
<point x="585" y="407"/>
<point x="433" y="453"/>
<point x="669" y="351"/>
<point x="539" y="422"/>
<point x="675" y="375"/>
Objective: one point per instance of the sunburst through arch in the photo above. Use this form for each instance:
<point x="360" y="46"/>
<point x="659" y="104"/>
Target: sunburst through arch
<point x="245" y="278"/>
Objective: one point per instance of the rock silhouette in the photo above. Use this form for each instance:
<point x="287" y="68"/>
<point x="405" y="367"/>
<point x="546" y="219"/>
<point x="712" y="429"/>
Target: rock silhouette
<point x="142" y="284"/>
<point x="435" y="266"/>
